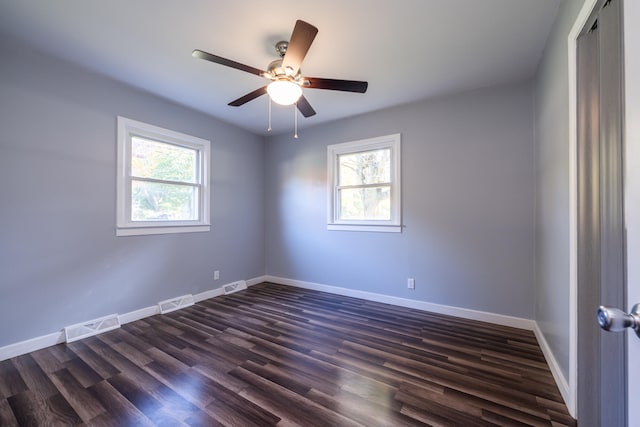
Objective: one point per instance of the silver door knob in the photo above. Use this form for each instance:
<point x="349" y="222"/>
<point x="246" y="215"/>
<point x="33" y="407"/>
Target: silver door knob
<point x="615" y="320"/>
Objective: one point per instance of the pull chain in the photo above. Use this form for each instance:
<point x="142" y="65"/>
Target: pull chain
<point x="295" y="119"/>
<point x="269" y="128"/>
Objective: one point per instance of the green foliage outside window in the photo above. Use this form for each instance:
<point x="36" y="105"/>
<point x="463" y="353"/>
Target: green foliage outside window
<point x="364" y="185"/>
<point x="163" y="178"/>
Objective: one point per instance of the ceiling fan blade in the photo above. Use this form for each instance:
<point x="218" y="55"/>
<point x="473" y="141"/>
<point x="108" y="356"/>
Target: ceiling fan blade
<point x="299" y="44"/>
<point x="333" y="84"/>
<point x="305" y="108"/>
<point x="228" y="62"/>
<point x="249" y="97"/>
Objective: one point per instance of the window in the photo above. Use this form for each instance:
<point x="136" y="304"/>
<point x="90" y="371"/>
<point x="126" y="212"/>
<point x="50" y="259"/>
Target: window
<point x="163" y="180"/>
<point x="364" y="185"/>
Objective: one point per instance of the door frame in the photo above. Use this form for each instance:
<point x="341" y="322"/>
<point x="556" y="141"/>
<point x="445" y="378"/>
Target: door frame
<point x="632" y="189"/>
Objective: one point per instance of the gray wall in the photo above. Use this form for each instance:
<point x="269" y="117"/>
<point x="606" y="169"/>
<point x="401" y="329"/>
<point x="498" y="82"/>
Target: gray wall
<point x="60" y="261"/>
<point x="468" y="191"/>
<point x="552" y="186"/>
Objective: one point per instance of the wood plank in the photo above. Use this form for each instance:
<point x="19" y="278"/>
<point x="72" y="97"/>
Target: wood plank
<point x="6" y="414"/>
<point x="34" y="377"/>
<point x="118" y="410"/>
<point x="101" y="366"/>
<point x="286" y="404"/>
<point x="30" y="409"/>
<point x="83" y="372"/>
<point x="81" y="400"/>
<point x="46" y="360"/>
<point x="143" y="400"/>
<point x="176" y="405"/>
<point x="11" y="382"/>
<point x="360" y="410"/>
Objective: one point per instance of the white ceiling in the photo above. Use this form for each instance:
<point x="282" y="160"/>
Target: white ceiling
<point x="406" y="49"/>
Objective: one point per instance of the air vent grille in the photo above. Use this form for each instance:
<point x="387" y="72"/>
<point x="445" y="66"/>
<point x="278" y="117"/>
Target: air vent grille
<point x="174" y="304"/>
<point x="93" y="327"/>
<point x="234" y="287"/>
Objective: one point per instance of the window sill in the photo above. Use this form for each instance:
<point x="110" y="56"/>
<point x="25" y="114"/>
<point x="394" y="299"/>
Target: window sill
<point x="369" y="228"/>
<point x="140" y="231"/>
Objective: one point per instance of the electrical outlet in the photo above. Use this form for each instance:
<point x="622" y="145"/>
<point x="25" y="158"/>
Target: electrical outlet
<point x="411" y="283"/>
<point x="216" y="275"/>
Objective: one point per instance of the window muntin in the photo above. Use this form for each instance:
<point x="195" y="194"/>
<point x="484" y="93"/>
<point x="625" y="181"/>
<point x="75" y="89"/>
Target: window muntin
<point x="364" y="185"/>
<point x="162" y="180"/>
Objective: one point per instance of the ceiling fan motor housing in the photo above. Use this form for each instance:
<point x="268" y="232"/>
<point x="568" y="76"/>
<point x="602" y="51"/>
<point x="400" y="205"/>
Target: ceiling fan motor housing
<point x="276" y="72"/>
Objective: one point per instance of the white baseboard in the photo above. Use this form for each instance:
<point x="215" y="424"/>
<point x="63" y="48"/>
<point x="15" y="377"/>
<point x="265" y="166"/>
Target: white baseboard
<point x="465" y="313"/>
<point x="38" y="343"/>
<point x="33" y="344"/>
<point x="132" y="316"/>
<point x="256" y="280"/>
<point x="208" y="294"/>
<point x="554" y="366"/>
<point x="219" y="291"/>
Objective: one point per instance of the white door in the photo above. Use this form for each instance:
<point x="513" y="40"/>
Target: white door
<point x="632" y="196"/>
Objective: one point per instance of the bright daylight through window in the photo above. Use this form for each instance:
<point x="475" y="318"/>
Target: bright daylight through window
<point x="364" y="185"/>
<point x="163" y="180"/>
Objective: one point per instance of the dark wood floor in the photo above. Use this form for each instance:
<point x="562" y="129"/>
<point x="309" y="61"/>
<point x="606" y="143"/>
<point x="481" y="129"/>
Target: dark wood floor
<point x="280" y="355"/>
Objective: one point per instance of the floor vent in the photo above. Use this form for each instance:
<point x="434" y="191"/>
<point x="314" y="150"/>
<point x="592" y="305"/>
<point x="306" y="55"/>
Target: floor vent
<point x="174" y="304"/>
<point x="93" y="327"/>
<point x="234" y="287"/>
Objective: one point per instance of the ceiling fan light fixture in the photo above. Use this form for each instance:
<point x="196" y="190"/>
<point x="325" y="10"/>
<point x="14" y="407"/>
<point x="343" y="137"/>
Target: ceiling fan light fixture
<point x="284" y="92"/>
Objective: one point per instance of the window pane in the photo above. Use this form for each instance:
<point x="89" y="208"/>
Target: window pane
<point x="371" y="203"/>
<point x="367" y="167"/>
<point x="159" y="160"/>
<point x="151" y="201"/>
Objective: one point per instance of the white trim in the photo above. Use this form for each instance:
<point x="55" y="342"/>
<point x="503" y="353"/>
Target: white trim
<point x="160" y="230"/>
<point x="554" y="366"/>
<point x="33" y="344"/>
<point x="632" y="193"/>
<point x="212" y="293"/>
<point x="127" y="129"/>
<point x="465" y="313"/>
<point x="256" y="280"/>
<point x="572" y="398"/>
<point x="132" y="316"/>
<point x="44" y="341"/>
<point x="391" y="142"/>
<point x="376" y="228"/>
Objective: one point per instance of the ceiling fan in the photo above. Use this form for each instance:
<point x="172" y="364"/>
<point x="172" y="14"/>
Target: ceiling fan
<point x="285" y="74"/>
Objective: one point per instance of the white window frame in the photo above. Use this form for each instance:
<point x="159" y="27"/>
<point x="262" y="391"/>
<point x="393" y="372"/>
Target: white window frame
<point x="128" y="128"/>
<point x="393" y="225"/>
